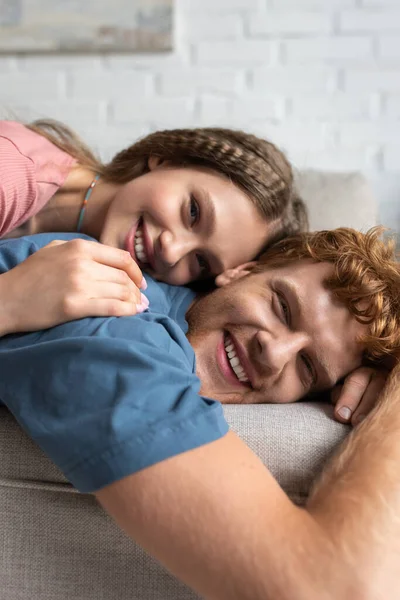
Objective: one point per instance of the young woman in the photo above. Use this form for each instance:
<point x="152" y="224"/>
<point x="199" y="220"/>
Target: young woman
<point x="181" y="204"/>
<point x="185" y="204"/>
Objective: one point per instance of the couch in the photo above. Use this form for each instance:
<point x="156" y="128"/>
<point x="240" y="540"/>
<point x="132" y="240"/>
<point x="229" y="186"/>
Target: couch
<point x="57" y="544"/>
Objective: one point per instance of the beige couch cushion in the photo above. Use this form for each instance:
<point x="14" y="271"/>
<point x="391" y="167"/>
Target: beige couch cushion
<point x="337" y="200"/>
<point x="294" y="460"/>
<point x="58" y="544"/>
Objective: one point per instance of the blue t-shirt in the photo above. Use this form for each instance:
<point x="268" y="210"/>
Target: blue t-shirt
<point x="106" y="397"/>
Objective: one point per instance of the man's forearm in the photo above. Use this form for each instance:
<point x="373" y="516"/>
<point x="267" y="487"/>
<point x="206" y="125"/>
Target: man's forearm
<point x="219" y="521"/>
<point x="357" y="499"/>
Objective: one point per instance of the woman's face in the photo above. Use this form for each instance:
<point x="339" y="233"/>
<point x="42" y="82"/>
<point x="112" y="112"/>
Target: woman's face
<point x="184" y="224"/>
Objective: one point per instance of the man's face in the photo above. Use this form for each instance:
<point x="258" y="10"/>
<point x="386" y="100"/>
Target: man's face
<point x="274" y="336"/>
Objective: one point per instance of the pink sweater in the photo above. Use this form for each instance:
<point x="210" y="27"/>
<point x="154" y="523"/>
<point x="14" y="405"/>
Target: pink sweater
<point x="32" y="169"/>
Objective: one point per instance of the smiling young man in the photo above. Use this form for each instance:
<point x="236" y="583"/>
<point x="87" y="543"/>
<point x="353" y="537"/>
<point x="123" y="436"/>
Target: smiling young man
<point x="115" y="403"/>
<point x="276" y="337"/>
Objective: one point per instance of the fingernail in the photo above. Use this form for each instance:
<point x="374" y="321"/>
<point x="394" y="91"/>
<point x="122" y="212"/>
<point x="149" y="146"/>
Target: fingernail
<point x="345" y="413"/>
<point x="143" y="284"/>
<point x="359" y="419"/>
<point x="144" y="304"/>
<point x="144" y="300"/>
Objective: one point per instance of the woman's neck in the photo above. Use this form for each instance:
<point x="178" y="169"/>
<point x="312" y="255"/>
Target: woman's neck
<point x="62" y="211"/>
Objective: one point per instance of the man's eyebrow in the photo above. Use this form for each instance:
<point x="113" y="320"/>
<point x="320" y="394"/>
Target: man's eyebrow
<point x="325" y="378"/>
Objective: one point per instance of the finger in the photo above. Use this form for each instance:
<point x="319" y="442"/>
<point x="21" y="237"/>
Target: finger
<point x="56" y="243"/>
<point x="76" y="305"/>
<point x="104" y="273"/>
<point x="335" y="394"/>
<point x="114" y="308"/>
<point x="88" y="278"/>
<point x="96" y="307"/>
<point x="80" y="274"/>
<point x="110" y="256"/>
<point x="116" y="291"/>
<point x="122" y="260"/>
<point x="352" y="392"/>
<point x="369" y="399"/>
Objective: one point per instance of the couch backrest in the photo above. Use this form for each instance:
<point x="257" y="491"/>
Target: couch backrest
<point x="338" y="200"/>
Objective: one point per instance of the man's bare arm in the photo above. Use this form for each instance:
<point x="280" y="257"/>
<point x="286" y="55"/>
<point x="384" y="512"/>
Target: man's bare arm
<point x="357" y="499"/>
<point x="219" y="521"/>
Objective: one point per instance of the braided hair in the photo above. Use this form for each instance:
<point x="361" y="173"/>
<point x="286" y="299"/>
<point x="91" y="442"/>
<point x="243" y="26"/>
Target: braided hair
<point x="255" y="165"/>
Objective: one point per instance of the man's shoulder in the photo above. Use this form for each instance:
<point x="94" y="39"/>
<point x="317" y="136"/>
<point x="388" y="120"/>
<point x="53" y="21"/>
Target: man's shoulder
<point x="15" y="250"/>
<point x="143" y="340"/>
<point x="164" y="325"/>
<point x="154" y="332"/>
<point x="28" y="244"/>
<point x="170" y="300"/>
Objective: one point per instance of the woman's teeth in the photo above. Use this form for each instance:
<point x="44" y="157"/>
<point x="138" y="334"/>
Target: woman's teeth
<point x="234" y="360"/>
<point x="139" y="246"/>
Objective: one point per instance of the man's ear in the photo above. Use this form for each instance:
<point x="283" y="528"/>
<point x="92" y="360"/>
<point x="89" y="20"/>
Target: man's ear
<point x="156" y="161"/>
<point x="231" y="274"/>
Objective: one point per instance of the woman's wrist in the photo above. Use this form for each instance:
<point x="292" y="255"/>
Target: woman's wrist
<point x="8" y="301"/>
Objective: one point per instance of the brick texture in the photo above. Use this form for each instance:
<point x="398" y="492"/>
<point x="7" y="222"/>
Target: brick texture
<point x="319" y="77"/>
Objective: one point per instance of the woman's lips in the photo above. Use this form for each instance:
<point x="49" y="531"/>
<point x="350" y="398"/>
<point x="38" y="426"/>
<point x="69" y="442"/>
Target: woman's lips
<point x="224" y="366"/>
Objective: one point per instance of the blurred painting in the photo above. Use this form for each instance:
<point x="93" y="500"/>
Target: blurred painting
<point x="85" y="26"/>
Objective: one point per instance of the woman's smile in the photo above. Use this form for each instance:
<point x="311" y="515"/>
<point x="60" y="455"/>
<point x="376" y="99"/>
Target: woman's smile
<point x="139" y="244"/>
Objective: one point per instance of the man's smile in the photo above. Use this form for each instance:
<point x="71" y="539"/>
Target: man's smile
<point x="232" y="361"/>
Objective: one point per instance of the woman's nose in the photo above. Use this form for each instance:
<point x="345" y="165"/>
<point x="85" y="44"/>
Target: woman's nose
<point x="174" y="248"/>
<point x="277" y="351"/>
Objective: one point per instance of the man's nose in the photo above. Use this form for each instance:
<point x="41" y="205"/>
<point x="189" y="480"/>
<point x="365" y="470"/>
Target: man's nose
<point x="277" y="351"/>
<point x="174" y="248"/>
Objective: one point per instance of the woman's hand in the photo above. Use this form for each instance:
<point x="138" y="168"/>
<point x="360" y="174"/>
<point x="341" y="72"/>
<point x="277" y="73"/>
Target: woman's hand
<point x="358" y="395"/>
<point x="69" y="280"/>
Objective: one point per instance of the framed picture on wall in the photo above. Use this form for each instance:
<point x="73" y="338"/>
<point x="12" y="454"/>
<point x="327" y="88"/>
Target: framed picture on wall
<point x="50" y="26"/>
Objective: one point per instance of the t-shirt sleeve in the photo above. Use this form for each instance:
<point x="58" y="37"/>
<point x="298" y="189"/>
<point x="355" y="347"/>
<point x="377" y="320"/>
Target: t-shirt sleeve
<point x="31" y="171"/>
<point x="110" y="404"/>
<point x="16" y="250"/>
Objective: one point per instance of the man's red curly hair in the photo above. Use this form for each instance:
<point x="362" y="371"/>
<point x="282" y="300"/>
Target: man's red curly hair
<point x="366" y="279"/>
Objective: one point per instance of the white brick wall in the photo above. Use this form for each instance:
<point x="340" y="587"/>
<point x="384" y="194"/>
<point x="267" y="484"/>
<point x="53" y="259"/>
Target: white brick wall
<point x="319" y="77"/>
<point x="239" y="52"/>
<point x="369" y="21"/>
<point x="285" y="22"/>
<point x="336" y="50"/>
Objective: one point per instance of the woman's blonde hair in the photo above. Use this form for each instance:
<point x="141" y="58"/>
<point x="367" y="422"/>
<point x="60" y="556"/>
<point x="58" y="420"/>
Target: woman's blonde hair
<point x="366" y="278"/>
<point x="255" y="165"/>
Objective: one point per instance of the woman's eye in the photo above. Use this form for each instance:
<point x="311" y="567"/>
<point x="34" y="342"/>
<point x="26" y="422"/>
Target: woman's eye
<point x="203" y="264"/>
<point x="194" y="211"/>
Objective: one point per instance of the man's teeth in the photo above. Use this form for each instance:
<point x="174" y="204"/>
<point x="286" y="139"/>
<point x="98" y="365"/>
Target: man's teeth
<point x="234" y="360"/>
<point x="139" y="246"/>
